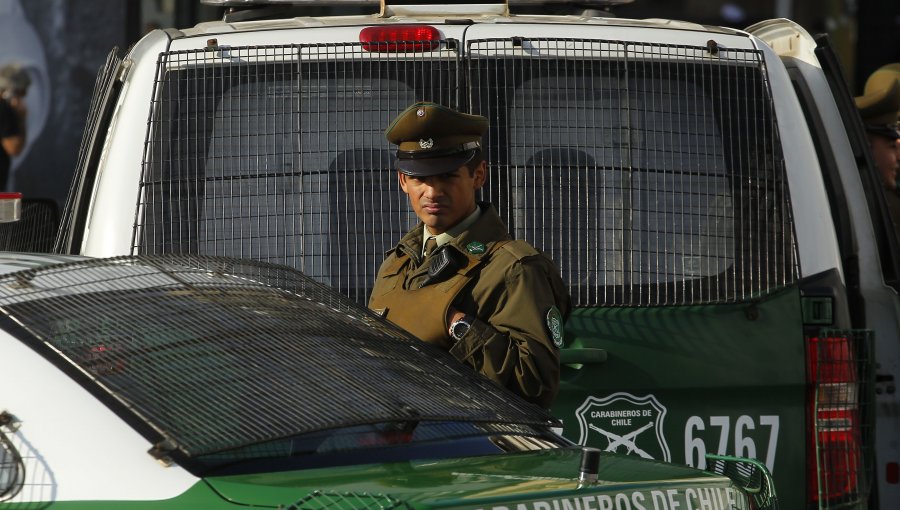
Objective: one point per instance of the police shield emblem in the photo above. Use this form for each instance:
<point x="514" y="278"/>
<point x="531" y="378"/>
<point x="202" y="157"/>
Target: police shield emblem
<point x="624" y="423"/>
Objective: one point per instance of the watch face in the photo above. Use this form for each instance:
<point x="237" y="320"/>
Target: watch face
<point x="460" y="328"/>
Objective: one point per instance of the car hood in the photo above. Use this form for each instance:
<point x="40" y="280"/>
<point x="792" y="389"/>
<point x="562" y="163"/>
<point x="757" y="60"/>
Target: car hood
<point x="545" y="480"/>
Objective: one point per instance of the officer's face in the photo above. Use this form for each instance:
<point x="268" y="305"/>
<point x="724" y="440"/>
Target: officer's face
<point x="442" y="201"/>
<point x="884" y="151"/>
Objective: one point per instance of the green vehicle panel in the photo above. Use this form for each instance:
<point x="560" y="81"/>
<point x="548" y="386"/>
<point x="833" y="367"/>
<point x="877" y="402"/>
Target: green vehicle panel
<point x="530" y="481"/>
<point x="711" y="364"/>
<point x="527" y="479"/>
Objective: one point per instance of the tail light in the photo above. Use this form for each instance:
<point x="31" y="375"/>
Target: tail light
<point x="834" y="458"/>
<point x="400" y="38"/>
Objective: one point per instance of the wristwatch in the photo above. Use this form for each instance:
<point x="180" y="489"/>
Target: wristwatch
<point x="460" y="327"/>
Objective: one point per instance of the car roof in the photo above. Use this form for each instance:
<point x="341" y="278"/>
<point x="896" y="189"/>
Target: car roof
<point x="11" y="262"/>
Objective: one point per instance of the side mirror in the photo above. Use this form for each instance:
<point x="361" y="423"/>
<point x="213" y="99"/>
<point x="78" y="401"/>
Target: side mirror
<point x="12" y="469"/>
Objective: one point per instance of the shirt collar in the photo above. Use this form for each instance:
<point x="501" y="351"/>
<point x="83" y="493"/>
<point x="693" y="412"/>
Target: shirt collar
<point x="449" y="235"/>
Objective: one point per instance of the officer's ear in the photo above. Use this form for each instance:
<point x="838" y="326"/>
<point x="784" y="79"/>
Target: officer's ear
<point x="402" y="178"/>
<point x="480" y="174"/>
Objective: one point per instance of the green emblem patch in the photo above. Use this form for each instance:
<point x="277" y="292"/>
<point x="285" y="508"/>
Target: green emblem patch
<point x="475" y="248"/>
<point x="555" y="325"/>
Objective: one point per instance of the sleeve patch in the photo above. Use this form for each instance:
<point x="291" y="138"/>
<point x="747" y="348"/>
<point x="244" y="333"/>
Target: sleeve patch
<point x="555" y="325"/>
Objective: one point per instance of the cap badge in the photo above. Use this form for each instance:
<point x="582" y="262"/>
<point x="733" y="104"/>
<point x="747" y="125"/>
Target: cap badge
<point x="555" y="325"/>
<point x="475" y="248"/>
<point x="420" y="112"/>
<point x="426" y="144"/>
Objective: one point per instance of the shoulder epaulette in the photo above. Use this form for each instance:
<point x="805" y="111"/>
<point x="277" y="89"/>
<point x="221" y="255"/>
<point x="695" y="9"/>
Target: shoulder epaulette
<point x="520" y="249"/>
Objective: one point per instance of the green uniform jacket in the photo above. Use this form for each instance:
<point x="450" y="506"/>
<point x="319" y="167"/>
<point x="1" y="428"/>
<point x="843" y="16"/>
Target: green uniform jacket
<point x="514" y="292"/>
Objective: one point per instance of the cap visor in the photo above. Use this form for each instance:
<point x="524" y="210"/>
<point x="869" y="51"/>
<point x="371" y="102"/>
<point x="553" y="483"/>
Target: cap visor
<point x="426" y="167"/>
<point x="888" y="131"/>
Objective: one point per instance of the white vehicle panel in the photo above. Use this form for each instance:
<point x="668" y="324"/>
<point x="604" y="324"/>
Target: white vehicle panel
<point x="73" y="446"/>
<point x="110" y="224"/>
<point x="609" y="33"/>
<point x="817" y="244"/>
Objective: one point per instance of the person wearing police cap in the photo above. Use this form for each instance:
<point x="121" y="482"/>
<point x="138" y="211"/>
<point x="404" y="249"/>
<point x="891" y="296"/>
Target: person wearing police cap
<point x="458" y="279"/>
<point x="879" y="107"/>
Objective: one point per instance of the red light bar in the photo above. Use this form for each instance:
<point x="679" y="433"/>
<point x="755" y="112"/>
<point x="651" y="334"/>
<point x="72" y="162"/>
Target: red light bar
<point x="400" y="38"/>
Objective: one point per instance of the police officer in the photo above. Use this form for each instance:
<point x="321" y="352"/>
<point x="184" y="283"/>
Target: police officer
<point x="879" y="107"/>
<point x="458" y="279"/>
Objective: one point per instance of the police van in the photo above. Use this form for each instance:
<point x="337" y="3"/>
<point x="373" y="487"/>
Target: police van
<point x="706" y="193"/>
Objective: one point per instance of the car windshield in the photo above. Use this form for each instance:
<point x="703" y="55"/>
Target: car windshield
<point x="217" y="360"/>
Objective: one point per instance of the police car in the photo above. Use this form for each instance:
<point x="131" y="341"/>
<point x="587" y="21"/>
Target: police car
<point x="706" y="192"/>
<point x="207" y="382"/>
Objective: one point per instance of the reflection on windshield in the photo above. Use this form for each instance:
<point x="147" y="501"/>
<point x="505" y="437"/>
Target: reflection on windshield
<point x="383" y="442"/>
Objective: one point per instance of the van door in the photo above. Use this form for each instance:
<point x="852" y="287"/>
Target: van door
<point x="864" y="226"/>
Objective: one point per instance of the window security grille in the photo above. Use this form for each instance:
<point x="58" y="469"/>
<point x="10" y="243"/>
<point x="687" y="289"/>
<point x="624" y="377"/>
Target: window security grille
<point x="278" y="154"/>
<point x="208" y="355"/>
<point x="651" y="174"/>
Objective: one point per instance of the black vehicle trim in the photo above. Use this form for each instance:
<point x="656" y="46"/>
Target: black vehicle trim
<point x="851" y="297"/>
<point x="78" y="203"/>
<point x="888" y="248"/>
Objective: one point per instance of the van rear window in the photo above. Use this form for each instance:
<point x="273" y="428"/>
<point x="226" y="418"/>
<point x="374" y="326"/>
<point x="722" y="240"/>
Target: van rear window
<point x="652" y="175"/>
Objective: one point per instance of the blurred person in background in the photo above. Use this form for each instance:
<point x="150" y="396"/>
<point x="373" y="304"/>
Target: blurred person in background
<point x="879" y="107"/>
<point x="14" y="83"/>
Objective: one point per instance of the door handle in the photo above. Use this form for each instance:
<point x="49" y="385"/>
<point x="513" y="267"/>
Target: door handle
<point x="583" y="355"/>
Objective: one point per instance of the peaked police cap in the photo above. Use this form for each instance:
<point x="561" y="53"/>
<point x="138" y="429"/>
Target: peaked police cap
<point x="879" y="106"/>
<point x="432" y="139"/>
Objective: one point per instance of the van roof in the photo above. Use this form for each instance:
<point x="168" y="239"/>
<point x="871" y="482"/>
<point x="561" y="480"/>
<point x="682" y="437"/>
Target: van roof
<point x="220" y="26"/>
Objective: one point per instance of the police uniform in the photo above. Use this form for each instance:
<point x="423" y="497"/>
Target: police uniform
<point x="513" y="297"/>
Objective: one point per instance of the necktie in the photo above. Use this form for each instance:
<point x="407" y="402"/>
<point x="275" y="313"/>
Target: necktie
<point x="430" y="245"/>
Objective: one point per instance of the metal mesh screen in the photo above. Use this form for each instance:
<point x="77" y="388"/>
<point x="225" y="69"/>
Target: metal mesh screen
<point x="651" y="174"/>
<point x="278" y="154"/>
<point x="211" y="354"/>
<point x="750" y="475"/>
<point x="318" y="500"/>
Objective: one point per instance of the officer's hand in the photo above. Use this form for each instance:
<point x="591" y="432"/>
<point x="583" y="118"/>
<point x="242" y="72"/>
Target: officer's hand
<point x="453" y="315"/>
